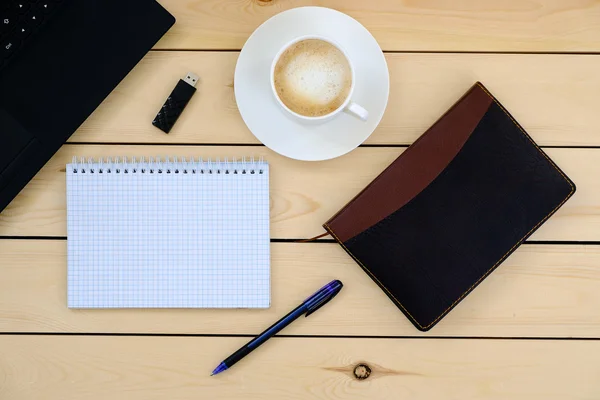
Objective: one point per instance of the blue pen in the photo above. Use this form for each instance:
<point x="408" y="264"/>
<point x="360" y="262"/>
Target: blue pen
<point x="309" y="306"/>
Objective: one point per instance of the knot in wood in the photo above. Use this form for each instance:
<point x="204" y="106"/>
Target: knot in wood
<point x="362" y="371"/>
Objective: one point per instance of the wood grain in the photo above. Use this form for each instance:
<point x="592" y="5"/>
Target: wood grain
<point x="540" y="291"/>
<point x="132" y="368"/>
<point x="303" y="195"/>
<point x="433" y="25"/>
<point x="552" y="96"/>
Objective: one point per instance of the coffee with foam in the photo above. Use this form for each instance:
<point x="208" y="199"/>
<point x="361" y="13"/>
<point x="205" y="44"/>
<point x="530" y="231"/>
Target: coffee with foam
<point x="313" y="78"/>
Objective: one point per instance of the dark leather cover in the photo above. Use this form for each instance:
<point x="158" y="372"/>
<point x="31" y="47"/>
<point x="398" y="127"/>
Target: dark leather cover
<point x="451" y="208"/>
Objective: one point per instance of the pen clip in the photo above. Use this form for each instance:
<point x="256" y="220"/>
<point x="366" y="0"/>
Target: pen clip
<point x="320" y="304"/>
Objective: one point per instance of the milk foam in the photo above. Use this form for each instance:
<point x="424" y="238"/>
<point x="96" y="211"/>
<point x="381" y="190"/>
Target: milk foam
<point x="313" y="77"/>
<point x="316" y="77"/>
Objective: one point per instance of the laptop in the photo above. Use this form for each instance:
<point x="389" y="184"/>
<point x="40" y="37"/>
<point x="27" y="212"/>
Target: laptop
<point x="59" y="59"/>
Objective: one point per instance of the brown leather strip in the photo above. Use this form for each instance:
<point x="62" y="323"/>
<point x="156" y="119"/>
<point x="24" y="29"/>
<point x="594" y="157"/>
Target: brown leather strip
<point x="414" y="169"/>
<point x="312" y="239"/>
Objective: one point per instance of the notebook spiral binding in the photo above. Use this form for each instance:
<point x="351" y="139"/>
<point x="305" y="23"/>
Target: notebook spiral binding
<point x="124" y="165"/>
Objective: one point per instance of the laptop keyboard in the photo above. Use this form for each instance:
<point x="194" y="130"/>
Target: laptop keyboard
<point x="20" y="22"/>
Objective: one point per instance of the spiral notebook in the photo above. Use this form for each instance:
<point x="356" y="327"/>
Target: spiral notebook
<point x="168" y="234"/>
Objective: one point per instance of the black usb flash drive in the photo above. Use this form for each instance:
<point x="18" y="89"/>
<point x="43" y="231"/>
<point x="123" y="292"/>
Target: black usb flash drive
<point x="175" y="103"/>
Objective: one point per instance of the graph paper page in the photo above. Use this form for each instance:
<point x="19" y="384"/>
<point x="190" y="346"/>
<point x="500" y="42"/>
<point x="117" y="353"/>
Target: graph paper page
<point x="168" y="235"/>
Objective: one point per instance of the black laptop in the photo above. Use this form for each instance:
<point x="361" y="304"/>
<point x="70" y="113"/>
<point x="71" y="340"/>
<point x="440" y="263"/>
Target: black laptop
<point x="58" y="60"/>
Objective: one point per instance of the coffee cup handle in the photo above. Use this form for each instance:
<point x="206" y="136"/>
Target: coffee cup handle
<point x="357" y="111"/>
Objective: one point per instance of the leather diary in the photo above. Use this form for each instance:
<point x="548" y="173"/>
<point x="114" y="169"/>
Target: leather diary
<point x="451" y="208"/>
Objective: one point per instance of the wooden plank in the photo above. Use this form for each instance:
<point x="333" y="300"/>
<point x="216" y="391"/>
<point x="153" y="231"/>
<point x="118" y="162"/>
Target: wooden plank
<point x="90" y="368"/>
<point x="434" y="25"/>
<point x="553" y="96"/>
<point x="300" y="205"/>
<point x="540" y="291"/>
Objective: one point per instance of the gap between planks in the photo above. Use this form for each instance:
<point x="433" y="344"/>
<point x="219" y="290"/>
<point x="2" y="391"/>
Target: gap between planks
<point x="302" y="241"/>
<point x="249" y="335"/>
<point x="549" y="53"/>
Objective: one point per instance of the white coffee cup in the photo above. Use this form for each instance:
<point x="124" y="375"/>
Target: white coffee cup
<point x="347" y="106"/>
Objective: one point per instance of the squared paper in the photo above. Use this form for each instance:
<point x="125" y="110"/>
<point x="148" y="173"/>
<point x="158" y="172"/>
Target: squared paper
<point x="168" y="235"/>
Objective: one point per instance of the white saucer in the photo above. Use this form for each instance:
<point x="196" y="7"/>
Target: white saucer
<point x="265" y="118"/>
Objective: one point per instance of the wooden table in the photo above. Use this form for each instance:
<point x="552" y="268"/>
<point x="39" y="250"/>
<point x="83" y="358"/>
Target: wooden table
<point x="530" y="331"/>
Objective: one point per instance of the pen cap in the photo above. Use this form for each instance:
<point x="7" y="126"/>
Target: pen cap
<point x="323" y="296"/>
